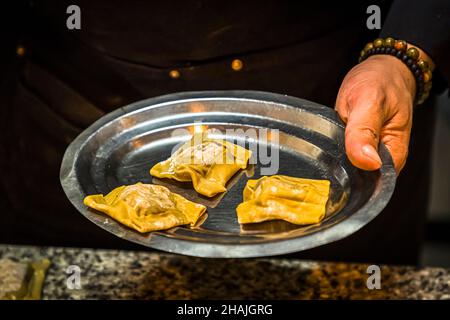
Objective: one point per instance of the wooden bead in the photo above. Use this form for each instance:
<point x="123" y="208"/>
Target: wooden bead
<point x="427" y="76"/>
<point x="368" y="46"/>
<point x="423" y="65"/>
<point x="389" y="42"/>
<point x="378" y="43"/>
<point x="400" y="45"/>
<point x="419" y="76"/>
<point x="413" y="53"/>
<point x="420" y="87"/>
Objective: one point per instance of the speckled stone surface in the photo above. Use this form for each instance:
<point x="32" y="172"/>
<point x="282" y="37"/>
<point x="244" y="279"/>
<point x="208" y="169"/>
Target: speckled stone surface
<point x="147" y="275"/>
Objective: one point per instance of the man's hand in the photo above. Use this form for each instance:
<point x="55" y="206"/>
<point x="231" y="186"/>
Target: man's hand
<point x="376" y="101"/>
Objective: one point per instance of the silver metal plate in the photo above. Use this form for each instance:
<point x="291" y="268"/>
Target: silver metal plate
<point x="120" y="148"/>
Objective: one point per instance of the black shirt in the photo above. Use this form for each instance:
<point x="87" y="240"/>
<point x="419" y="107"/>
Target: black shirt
<point x="127" y="51"/>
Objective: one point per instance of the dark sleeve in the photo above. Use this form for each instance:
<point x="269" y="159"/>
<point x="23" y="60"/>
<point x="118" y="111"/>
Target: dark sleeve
<point x="426" y="24"/>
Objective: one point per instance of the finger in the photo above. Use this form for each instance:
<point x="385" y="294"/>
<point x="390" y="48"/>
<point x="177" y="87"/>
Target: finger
<point x="397" y="142"/>
<point x="362" y="134"/>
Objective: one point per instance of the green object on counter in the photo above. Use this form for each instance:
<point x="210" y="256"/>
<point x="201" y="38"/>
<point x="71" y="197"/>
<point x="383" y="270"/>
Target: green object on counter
<point x="22" y="281"/>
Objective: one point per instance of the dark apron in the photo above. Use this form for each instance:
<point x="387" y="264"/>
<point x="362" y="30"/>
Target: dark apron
<point x="125" y="53"/>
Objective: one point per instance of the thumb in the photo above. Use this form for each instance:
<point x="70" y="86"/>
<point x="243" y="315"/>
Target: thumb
<point x="362" y="134"/>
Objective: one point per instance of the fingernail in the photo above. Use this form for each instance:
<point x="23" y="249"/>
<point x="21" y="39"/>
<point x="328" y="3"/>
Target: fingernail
<point x="370" y="152"/>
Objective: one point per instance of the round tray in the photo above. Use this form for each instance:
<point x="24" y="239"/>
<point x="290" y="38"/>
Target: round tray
<point x="306" y="138"/>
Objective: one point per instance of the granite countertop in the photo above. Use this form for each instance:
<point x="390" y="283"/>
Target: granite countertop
<point x="109" y="274"/>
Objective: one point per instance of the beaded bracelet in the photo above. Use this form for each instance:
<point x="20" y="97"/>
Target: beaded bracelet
<point x="410" y="56"/>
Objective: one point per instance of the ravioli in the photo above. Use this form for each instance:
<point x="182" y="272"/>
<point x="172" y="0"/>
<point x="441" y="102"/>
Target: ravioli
<point x="208" y="163"/>
<point x="146" y="207"/>
<point x="296" y="200"/>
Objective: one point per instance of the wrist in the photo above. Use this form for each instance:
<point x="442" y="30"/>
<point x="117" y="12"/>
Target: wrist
<point x="420" y="66"/>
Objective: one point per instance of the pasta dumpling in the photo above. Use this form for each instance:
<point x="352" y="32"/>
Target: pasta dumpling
<point x="296" y="200"/>
<point x="208" y="163"/>
<point x="146" y="207"/>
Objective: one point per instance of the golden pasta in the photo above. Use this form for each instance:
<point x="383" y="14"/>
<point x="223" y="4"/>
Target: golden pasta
<point x="146" y="207"/>
<point x="296" y="200"/>
<point x="208" y="163"/>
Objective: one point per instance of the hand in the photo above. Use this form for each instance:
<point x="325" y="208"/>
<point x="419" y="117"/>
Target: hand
<point x="376" y="101"/>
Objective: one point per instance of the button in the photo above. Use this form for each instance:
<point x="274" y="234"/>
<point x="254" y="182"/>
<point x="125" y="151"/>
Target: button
<point x="237" y="64"/>
<point x="20" y="51"/>
<point x="174" y="74"/>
